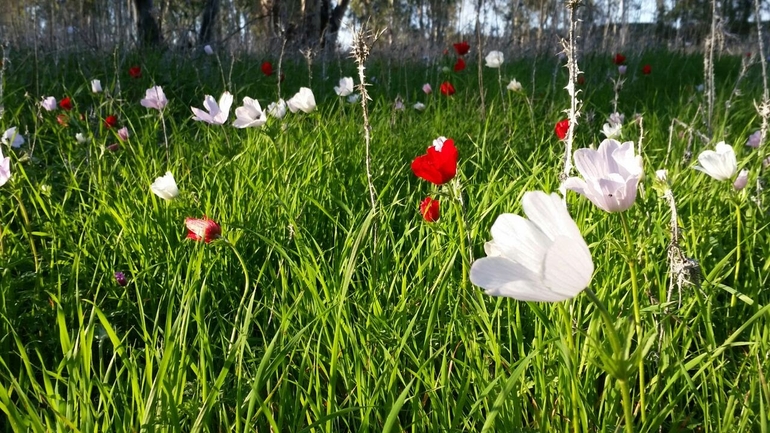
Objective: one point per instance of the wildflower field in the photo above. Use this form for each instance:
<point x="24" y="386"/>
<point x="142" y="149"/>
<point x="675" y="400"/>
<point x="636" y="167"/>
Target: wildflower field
<point x="164" y="269"/>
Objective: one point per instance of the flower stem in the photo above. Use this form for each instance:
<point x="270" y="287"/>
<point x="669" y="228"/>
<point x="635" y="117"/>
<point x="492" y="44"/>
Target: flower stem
<point x="457" y="204"/>
<point x="734" y="298"/>
<point x="28" y="230"/>
<point x="631" y="260"/>
<point x="625" y="394"/>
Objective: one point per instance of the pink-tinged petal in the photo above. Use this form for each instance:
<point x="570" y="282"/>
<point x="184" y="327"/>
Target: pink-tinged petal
<point x="590" y="164"/>
<point x="568" y="267"/>
<point x="717" y="165"/>
<point x="201" y="115"/>
<point x="5" y="169"/>
<point x="576" y="184"/>
<point x="210" y="104"/>
<point x="499" y="276"/>
<point x="742" y="180"/>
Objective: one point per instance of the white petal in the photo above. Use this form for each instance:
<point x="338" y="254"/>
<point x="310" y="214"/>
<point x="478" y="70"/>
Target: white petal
<point x="550" y="215"/>
<point x="502" y="277"/>
<point x="520" y="241"/>
<point x="568" y="267"/>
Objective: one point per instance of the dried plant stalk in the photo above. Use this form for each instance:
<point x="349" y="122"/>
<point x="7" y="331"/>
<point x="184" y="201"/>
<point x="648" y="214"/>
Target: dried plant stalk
<point x="574" y="110"/>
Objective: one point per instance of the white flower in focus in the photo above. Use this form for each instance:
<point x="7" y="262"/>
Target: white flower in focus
<point x="250" y="114"/>
<point x="165" y="187"/>
<point x="494" y="59"/>
<point x="217" y="112"/>
<point x="611" y="130"/>
<point x="48" y="103"/>
<point x="514" y="86"/>
<point x="96" y="86"/>
<point x="302" y="101"/>
<point x="345" y="88"/>
<point x="719" y="164"/>
<point x="277" y="109"/>
<point x="610" y="173"/>
<point x="12" y="138"/>
<point x="543" y="258"/>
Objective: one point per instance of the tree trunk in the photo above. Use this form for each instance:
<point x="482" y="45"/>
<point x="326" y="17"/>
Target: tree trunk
<point x="210" y="12"/>
<point x="147" y="32"/>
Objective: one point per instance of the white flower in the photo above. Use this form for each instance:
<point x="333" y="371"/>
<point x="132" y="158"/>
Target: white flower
<point x="165" y="187"/>
<point x="208" y="50"/>
<point x="96" y="86"/>
<point x="399" y="105"/>
<point x="277" y="109"/>
<point x="610" y="173"/>
<point x="49" y="103"/>
<point x="721" y="165"/>
<point x="621" y="69"/>
<point x="494" y="59"/>
<point x="662" y="175"/>
<point x="5" y="168"/>
<point x="217" y="112"/>
<point x="155" y="98"/>
<point x="250" y="114"/>
<point x="354" y="97"/>
<point x="419" y="106"/>
<point x="514" y="85"/>
<point x="611" y="130"/>
<point x="345" y="88"/>
<point x="10" y="137"/>
<point x="543" y="258"/>
<point x="81" y="138"/>
<point x="755" y="139"/>
<point x="427" y="89"/>
<point x="616" y="119"/>
<point x="302" y="100"/>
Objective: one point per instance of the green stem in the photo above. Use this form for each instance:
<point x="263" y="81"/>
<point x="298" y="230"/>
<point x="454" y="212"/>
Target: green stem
<point x="734" y="298"/>
<point x="631" y="260"/>
<point x="573" y="367"/>
<point x="28" y="230"/>
<point x="456" y="197"/>
<point x="628" y="410"/>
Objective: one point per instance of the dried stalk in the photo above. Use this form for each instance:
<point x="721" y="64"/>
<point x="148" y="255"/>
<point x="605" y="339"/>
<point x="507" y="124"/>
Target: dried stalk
<point x="574" y="110"/>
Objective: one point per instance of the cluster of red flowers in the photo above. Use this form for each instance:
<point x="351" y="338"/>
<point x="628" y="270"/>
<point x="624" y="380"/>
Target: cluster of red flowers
<point x="438" y="166"/>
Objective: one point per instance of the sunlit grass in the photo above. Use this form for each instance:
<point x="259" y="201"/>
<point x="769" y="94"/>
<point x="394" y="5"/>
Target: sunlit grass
<point x="319" y="328"/>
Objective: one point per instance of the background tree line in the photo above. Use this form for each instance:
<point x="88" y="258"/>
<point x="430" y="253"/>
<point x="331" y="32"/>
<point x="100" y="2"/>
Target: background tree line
<point x="264" y="25"/>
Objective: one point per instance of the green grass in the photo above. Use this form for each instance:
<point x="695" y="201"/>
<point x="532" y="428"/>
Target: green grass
<point x="300" y="322"/>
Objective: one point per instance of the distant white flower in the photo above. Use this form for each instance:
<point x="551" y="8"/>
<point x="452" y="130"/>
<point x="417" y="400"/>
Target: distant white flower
<point x="48" y="103"/>
<point x="354" y="97"/>
<point x="419" y="106"/>
<point x="754" y="139"/>
<point x="661" y="175"/>
<point x="217" y="112"/>
<point x="543" y="258"/>
<point x="445" y="69"/>
<point x="611" y="130"/>
<point x="277" y="109"/>
<point x="96" y="86"/>
<point x="123" y="134"/>
<point x="494" y="59"/>
<point x="622" y="70"/>
<point x="514" y="85"/>
<point x="616" y="119"/>
<point x="5" y="168"/>
<point x="81" y="139"/>
<point x="399" y="105"/>
<point x="208" y="50"/>
<point x="165" y="187"/>
<point x="719" y="164"/>
<point x="699" y="87"/>
<point x="250" y="114"/>
<point x="427" y="89"/>
<point x="302" y="101"/>
<point x="155" y="98"/>
<point x="12" y="138"/>
<point x="741" y="180"/>
<point x="345" y="88"/>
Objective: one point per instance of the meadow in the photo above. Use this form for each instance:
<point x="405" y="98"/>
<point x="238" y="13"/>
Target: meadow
<point x="314" y="312"/>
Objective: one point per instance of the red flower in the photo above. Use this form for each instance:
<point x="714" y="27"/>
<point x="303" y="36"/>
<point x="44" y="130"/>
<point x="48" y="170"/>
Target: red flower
<point x="430" y="210"/>
<point x="460" y="65"/>
<point x="619" y="59"/>
<point x="267" y="68"/>
<point x="63" y="119"/>
<point x="447" y="88"/>
<point x="111" y="121"/>
<point x="646" y="69"/>
<point x="561" y="129"/>
<point x="581" y="79"/>
<point x="462" y="48"/>
<point x="439" y="164"/>
<point x="135" y="72"/>
<point x="202" y="229"/>
<point x="66" y="104"/>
